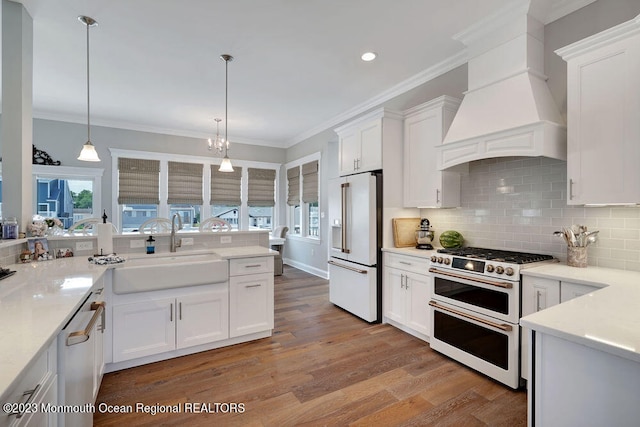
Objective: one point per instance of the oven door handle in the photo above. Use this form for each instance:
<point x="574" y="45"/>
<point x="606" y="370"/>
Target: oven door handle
<point x="501" y="326"/>
<point x="505" y="285"/>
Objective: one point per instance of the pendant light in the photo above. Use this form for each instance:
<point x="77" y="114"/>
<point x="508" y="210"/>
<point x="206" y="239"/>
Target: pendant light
<point x="226" y="166"/>
<point x="88" y="153"/>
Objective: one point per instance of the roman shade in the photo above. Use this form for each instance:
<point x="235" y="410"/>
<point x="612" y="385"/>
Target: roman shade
<point x="138" y="181"/>
<point x="185" y="183"/>
<point x="225" y="187"/>
<point x="293" y="193"/>
<point x="310" y="182"/>
<point x="261" y="187"/>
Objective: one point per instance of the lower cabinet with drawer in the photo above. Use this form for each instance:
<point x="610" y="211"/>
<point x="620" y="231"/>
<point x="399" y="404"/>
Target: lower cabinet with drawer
<point x="406" y="292"/>
<point x="539" y="293"/>
<point x="37" y="389"/>
<point x="250" y="295"/>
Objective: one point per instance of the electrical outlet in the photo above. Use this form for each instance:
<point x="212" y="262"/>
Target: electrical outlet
<point x="313" y="252"/>
<point x="84" y="246"/>
<point x="225" y="239"/>
<point x="133" y="244"/>
<point x="187" y="241"/>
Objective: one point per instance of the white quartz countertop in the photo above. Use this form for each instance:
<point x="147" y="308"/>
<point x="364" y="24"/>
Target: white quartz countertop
<point x="35" y="304"/>
<point x="38" y="301"/>
<point x="421" y="253"/>
<point x="606" y="319"/>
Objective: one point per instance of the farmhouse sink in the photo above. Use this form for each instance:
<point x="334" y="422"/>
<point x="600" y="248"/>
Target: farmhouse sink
<point x="166" y="272"/>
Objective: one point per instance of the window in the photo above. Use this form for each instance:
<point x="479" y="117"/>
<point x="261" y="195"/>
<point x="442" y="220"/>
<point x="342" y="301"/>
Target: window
<point x="138" y="191"/>
<point x="149" y="185"/>
<point x="261" y="197"/>
<point x="226" y="195"/>
<point x="185" y="192"/>
<point x="70" y="194"/>
<point x="302" y="198"/>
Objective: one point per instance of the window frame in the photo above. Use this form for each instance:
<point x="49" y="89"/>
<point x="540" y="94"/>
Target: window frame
<point x="68" y="173"/>
<point x="304" y="207"/>
<point x="205" y="209"/>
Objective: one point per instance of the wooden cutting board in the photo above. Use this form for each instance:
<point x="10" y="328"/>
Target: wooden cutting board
<point x="404" y="231"/>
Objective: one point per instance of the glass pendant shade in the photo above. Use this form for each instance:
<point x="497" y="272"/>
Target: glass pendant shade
<point x="89" y="153"/>
<point x="226" y="166"/>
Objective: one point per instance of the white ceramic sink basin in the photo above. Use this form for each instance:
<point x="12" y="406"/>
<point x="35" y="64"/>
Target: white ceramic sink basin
<point x="166" y="272"/>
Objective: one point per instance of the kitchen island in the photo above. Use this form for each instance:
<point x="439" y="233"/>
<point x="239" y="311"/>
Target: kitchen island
<point x="585" y="353"/>
<point x="38" y="301"/>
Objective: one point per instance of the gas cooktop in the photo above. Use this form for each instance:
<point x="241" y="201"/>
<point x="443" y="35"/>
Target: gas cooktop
<point x="497" y="255"/>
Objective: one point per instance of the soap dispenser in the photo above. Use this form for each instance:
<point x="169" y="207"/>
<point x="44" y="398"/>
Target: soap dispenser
<point x="151" y="247"/>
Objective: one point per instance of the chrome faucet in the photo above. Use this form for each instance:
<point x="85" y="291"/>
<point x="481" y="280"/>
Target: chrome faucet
<point x="173" y="245"/>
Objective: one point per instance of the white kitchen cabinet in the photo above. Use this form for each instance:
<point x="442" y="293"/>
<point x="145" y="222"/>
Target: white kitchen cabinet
<point x="251" y="298"/>
<point x="37" y="386"/>
<point x="569" y="291"/>
<point x="425" y="126"/>
<point x="158" y="325"/>
<point x="361" y="142"/>
<point x="603" y="107"/>
<point x="406" y="292"/>
<point x="537" y="294"/>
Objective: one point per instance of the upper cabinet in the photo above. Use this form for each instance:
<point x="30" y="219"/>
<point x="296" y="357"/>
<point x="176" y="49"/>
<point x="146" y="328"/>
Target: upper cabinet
<point x="361" y="141"/>
<point x="425" y="127"/>
<point x="603" y="116"/>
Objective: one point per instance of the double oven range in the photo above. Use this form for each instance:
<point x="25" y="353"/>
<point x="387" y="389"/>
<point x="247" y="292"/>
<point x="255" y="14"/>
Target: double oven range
<point x="475" y="308"/>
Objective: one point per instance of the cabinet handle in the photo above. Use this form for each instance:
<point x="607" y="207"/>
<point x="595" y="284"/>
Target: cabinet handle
<point x="78" y="337"/>
<point x="402" y="281"/>
<point x="253" y="266"/>
<point x="25" y="405"/>
<point x="358" y="164"/>
<point x="253" y="286"/>
<point x="171" y="312"/>
<point x="354" y="164"/>
<point x="406" y="281"/>
<point x="538" y="294"/>
<point x="404" y="262"/>
<point x="180" y="311"/>
<point x="570" y="189"/>
<point x="437" y="195"/>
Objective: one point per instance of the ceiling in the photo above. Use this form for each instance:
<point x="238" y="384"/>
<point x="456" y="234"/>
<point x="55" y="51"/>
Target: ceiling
<point x="297" y="70"/>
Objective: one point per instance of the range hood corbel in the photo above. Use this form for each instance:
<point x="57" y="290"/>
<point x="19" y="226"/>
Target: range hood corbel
<point x="508" y="109"/>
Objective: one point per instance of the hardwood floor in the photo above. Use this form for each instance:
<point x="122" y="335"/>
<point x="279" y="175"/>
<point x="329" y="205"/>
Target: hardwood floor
<point x="322" y="366"/>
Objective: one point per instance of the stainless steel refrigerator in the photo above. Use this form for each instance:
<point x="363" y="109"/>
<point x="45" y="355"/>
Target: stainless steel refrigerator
<point x="355" y="217"/>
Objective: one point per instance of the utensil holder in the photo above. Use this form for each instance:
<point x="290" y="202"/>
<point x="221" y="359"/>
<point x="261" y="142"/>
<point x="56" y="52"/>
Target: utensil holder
<point x="577" y="256"/>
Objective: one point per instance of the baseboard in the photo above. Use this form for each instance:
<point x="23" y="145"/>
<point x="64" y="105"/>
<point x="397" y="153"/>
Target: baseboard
<point x="324" y="274"/>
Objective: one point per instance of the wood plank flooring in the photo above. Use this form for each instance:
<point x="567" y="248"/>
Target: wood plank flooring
<point x="322" y="366"/>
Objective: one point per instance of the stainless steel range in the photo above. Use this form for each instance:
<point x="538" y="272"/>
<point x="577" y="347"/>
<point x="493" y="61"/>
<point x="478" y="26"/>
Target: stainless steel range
<point x="475" y="308"/>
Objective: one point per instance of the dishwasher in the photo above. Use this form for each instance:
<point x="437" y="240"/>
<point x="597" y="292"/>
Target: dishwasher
<point x="81" y="361"/>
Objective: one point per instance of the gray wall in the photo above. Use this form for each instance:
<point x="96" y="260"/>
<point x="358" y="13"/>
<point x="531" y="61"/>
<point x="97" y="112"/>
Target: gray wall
<point x="63" y="142"/>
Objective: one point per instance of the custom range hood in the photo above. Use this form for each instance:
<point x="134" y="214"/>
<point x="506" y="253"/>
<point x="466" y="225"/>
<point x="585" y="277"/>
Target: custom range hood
<point x="508" y="109"/>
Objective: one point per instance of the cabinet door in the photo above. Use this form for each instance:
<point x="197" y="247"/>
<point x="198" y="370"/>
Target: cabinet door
<point x="538" y="294"/>
<point x="370" y="150"/>
<point x="98" y="356"/>
<point x="143" y="328"/>
<point x="603" y="97"/>
<point x="569" y="291"/>
<point x="202" y="318"/>
<point x="349" y="152"/>
<point x="422" y="132"/>
<point x="394" y="294"/>
<point x="418" y="288"/>
<point x="250" y="304"/>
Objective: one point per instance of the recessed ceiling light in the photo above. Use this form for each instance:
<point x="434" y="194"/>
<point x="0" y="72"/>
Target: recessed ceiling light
<point x="369" y="56"/>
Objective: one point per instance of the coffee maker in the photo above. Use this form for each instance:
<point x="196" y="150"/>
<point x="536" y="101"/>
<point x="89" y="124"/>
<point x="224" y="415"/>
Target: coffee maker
<point x="424" y="235"/>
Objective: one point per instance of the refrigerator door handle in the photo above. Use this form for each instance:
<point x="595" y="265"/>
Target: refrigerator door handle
<point x="343" y="245"/>
<point x="357" y="270"/>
